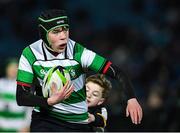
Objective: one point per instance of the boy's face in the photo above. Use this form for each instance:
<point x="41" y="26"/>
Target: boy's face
<point x="58" y="38"/>
<point x="11" y="70"/>
<point x="94" y="94"/>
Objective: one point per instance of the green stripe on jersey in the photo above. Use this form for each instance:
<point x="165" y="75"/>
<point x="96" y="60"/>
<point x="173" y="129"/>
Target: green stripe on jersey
<point x="24" y="76"/>
<point x="7" y="97"/>
<point x="28" y="54"/>
<point x="97" y="63"/>
<point x="78" y="52"/>
<point x="75" y="71"/>
<point x="69" y="117"/>
<point x="14" y="115"/>
<point x="76" y="97"/>
<point x="8" y="129"/>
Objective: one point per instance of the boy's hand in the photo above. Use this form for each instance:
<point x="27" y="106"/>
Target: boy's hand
<point x="134" y="110"/>
<point x="91" y="118"/>
<point x="60" y="95"/>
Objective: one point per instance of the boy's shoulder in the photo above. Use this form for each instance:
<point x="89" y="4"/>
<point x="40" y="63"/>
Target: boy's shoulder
<point x="35" y="44"/>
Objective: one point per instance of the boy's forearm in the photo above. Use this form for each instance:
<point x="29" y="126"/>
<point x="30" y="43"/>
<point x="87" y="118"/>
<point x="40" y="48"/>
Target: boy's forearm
<point x="25" y="98"/>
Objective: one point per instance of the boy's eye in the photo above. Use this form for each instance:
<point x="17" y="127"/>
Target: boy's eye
<point x="65" y="28"/>
<point x="55" y="31"/>
<point x="95" y="94"/>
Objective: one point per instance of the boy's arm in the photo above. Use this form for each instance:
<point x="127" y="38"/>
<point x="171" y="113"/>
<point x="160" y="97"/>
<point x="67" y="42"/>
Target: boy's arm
<point x="118" y="74"/>
<point x="25" y="98"/>
<point x="133" y="108"/>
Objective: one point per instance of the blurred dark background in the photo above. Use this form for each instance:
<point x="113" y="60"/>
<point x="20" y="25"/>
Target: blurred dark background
<point x="140" y="36"/>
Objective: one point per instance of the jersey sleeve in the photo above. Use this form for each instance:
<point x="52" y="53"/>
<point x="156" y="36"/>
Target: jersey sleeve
<point x="89" y="59"/>
<point x="25" y="72"/>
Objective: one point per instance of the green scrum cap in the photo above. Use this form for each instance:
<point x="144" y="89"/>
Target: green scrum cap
<point x="49" y="20"/>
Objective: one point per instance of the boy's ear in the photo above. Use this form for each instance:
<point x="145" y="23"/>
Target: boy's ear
<point x="101" y="101"/>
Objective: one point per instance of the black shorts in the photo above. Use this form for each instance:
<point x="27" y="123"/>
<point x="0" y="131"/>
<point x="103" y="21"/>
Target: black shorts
<point x="41" y="123"/>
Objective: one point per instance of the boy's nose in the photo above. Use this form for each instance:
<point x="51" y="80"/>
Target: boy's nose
<point x="63" y="35"/>
<point x="88" y="95"/>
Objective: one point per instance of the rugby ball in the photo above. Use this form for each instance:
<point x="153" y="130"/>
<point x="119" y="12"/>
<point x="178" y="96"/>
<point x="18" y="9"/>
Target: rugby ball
<point x="58" y="75"/>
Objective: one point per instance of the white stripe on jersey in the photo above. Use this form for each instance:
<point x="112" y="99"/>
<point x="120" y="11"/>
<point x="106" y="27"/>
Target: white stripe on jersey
<point x="36" y="48"/>
<point x="3" y="105"/>
<point x="77" y="108"/>
<point x="79" y="82"/>
<point x="87" y="58"/>
<point x="70" y="48"/>
<point x="53" y="63"/>
<point x="13" y="107"/>
<point x="24" y="65"/>
<point x="13" y="123"/>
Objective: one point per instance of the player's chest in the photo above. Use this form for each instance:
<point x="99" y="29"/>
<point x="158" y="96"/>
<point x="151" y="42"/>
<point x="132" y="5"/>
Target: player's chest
<point x="41" y="67"/>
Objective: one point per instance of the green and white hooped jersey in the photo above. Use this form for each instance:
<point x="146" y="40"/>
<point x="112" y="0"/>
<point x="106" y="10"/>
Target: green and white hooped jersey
<point x="13" y="118"/>
<point x="36" y="60"/>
